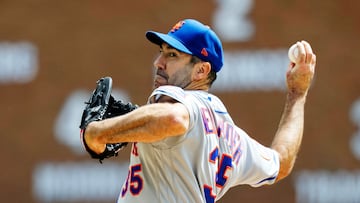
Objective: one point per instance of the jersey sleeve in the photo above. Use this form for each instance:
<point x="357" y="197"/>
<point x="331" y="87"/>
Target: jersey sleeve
<point x="258" y="165"/>
<point x="171" y="91"/>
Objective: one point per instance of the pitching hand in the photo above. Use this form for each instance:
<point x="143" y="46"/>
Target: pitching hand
<point x="300" y="74"/>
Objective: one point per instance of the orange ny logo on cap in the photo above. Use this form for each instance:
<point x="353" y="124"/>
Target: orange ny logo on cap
<point x="204" y="52"/>
<point x="177" y="26"/>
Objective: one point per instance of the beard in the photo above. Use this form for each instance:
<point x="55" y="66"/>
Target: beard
<point x="181" y="78"/>
<point x="161" y="78"/>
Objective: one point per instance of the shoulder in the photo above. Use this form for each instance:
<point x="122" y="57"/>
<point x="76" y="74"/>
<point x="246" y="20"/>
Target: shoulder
<point x="167" y="93"/>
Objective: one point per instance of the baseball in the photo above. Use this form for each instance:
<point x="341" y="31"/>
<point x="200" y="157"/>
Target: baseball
<point x="293" y="53"/>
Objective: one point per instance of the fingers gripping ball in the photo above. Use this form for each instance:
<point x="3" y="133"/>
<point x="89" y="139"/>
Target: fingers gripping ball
<point x="100" y="106"/>
<point x="302" y="67"/>
<point x="293" y="53"/>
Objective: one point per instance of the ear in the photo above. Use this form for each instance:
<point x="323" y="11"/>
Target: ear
<point x="201" y="70"/>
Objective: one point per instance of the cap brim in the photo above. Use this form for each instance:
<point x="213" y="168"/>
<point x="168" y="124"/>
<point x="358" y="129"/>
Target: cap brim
<point x="159" y="38"/>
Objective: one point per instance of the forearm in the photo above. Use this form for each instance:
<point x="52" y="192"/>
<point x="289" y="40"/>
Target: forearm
<point x="146" y="124"/>
<point x="288" y="137"/>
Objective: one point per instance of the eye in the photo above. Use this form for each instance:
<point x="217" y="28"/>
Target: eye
<point x="172" y="54"/>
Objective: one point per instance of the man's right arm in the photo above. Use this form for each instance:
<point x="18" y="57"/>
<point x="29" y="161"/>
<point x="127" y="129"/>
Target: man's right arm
<point x="288" y="137"/>
<point x="149" y="123"/>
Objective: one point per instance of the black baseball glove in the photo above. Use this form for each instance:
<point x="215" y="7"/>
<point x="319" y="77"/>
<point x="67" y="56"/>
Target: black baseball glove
<point x="100" y="106"/>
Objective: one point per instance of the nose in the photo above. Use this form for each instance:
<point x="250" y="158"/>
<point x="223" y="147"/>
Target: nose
<point x="160" y="62"/>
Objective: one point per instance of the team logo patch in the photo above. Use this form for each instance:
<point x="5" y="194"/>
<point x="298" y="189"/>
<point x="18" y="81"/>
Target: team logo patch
<point x="204" y="52"/>
<point x="177" y="26"/>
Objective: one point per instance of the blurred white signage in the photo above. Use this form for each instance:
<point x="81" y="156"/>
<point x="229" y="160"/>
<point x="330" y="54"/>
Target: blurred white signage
<point x="341" y="186"/>
<point x="261" y="70"/>
<point x="82" y="181"/>
<point x="18" y="62"/>
<point x="231" y="20"/>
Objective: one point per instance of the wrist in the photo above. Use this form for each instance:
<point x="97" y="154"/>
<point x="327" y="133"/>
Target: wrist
<point x="296" y="96"/>
<point x="91" y="140"/>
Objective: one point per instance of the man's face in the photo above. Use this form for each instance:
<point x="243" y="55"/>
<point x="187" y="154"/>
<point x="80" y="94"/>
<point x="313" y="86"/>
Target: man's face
<point x="172" y="67"/>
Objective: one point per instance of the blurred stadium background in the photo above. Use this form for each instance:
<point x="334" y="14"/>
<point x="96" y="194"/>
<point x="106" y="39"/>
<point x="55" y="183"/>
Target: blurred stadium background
<point x="52" y="53"/>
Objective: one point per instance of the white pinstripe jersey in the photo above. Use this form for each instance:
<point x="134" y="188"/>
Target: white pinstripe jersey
<point x="201" y="165"/>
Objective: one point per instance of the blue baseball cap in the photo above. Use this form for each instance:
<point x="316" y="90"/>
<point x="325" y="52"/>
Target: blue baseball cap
<point x="194" y="38"/>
